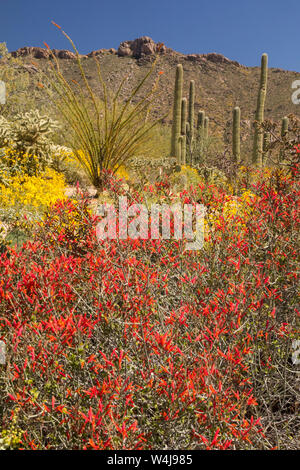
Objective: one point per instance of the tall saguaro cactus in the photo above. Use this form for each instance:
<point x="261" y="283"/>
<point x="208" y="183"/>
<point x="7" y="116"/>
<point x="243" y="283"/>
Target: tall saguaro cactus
<point x="200" y="121"/>
<point x="205" y="138"/>
<point x="257" y="157"/>
<point x="183" y="115"/>
<point x="236" y="135"/>
<point x="284" y="126"/>
<point x="183" y="150"/>
<point x="191" y="119"/>
<point x="176" y="126"/>
<point x="206" y="127"/>
<point x="183" y="129"/>
<point x="200" y="134"/>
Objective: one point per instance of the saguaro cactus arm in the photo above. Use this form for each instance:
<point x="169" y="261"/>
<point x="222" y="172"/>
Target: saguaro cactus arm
<point x="257" y="156"/>
<point x="236" y="134"/>
<point x="191" y="114"/>
<point x="183" y="115"/>
<point x="176" y="125"/>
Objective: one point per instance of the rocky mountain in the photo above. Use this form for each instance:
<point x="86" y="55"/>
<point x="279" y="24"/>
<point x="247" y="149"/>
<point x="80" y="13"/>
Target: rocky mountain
<point x="221" y="83"/>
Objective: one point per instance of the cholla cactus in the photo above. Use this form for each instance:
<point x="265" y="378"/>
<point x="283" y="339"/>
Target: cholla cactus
<point x="32" y="131"/>
<point x="5" y="132"/>
<point x="29" y="134"/>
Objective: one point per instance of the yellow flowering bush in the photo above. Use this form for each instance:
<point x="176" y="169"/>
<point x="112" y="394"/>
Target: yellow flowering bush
<point x="233" y="212"/>
<point x="35" y="192"/>
<point x="13" y="163"/>
<point x="24" y="201"/>
<point x="188" y="176"/>
<point x="69" y="157"/>
<point x="122" y="173"/>
<point x="11" y="438"/>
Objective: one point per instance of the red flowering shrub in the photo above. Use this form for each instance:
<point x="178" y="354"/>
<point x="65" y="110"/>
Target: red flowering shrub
<point x="138" y="344"/>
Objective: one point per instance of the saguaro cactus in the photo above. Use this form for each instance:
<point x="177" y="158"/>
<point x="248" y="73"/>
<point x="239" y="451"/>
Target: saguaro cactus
<point x="257" y="156"/>
<point x="176" y="126"/>
<point x="183" y="150"/>
<point x="191" y="118"/>
<point x="206" y="129"/>
<point x="187" y="128"/>
<point x="200" y="122"/>
<point x="183" y="129"/>
<point x="180" y="138"/>
<point x="200" y="135"/>
<point x="183" y="115"/>
<point x="236" y="134"/>
<point x="284" y="126"/>
<point x="205" y="137"/>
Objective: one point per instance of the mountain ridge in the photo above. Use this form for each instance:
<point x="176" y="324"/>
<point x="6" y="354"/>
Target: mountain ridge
<point x="221" y="83"/>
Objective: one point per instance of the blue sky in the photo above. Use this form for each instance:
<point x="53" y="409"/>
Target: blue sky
<point x="240" y="29"/>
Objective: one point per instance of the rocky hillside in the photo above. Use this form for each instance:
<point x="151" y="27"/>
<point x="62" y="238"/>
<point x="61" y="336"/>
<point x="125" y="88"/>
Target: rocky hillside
<point x="221" y="83"/>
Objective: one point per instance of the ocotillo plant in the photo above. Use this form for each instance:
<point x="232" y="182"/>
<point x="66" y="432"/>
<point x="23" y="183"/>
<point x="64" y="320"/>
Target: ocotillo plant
<point x="236" y="135"/>
<point x="104" y="143"/>
<point x="205" y="135"/>
<point x="259" y="116"/>
<point x="176" y="126"/>
<point x="191" y="119"/>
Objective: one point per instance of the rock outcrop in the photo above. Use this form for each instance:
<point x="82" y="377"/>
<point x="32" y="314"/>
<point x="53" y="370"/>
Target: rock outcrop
<point x="101" y="52"/>
<point x="42" y="53"/>
<point x="36" y="52"/>
<point x="140" y="47"/>
<point x="211" y="57"/>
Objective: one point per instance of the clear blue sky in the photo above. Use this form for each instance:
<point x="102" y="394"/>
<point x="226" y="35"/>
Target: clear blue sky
<point x="240" y="29"/>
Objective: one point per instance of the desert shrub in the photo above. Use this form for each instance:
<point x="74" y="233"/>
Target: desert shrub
<point x="138" y="344"/>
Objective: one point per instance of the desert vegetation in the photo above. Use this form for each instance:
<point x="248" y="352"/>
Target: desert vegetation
<point x="140" y="344"/>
